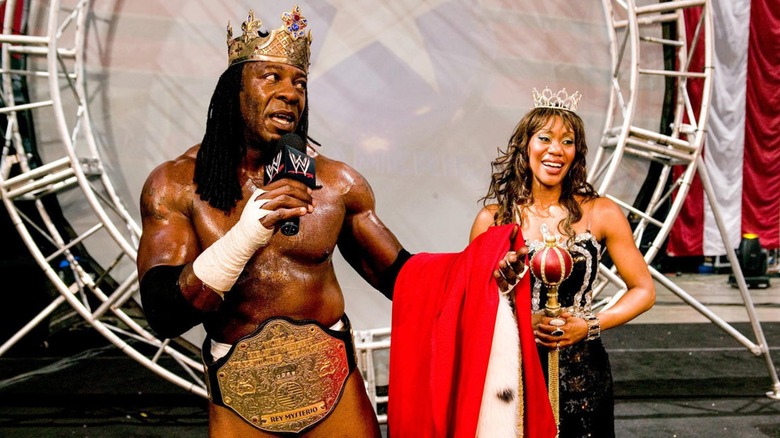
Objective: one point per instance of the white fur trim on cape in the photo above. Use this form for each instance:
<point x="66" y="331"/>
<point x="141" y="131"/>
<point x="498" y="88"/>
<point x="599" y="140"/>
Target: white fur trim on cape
<point x="498" y="412"/>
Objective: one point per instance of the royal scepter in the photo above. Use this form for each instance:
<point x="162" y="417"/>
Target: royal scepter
<point x="552" y="265"/>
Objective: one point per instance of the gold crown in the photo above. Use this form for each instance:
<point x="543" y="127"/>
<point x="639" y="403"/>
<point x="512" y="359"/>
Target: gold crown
<point x="288" y="44"/>
<point x="560" y="100"/>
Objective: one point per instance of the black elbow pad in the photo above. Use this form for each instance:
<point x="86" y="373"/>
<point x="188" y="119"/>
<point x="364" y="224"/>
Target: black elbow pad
<point x="169" y="314"/>
<point x="387" y="279"/>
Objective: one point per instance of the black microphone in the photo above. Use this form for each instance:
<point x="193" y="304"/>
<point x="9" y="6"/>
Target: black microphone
<point x="292" y="162"/>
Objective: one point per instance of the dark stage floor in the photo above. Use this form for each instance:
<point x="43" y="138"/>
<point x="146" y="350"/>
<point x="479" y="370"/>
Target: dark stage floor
<point x="706" y="385"/>
<point x="676" y="375"/>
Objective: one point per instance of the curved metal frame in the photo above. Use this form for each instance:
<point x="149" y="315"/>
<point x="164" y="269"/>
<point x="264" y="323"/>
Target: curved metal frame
<point x="116" y="316"/>
<point x="630" y="28"/>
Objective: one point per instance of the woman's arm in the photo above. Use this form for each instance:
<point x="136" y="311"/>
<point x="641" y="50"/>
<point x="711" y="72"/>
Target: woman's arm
<point x="613" y="228"/>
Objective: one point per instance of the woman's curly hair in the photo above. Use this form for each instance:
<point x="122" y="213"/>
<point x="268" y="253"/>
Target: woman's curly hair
<point x="512" y="178"/>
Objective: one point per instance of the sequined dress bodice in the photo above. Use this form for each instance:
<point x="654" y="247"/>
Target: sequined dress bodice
<point x="575" y="292"/>
<point x="585" y="393"/>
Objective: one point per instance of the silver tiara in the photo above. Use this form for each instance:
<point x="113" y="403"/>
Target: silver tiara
<point x="560" y="100"/>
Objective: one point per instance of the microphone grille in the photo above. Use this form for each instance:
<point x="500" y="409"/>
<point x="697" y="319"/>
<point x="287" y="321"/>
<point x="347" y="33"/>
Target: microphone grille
<point x="292" y="140"/>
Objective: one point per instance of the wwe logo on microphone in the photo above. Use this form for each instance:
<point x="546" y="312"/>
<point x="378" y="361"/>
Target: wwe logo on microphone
<point x="301" y="165"/>
<point x="273" y="168"/>
<point x="291" y="163"/>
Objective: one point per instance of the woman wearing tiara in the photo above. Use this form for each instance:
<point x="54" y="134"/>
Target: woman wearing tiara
<point x="540" y="183"/>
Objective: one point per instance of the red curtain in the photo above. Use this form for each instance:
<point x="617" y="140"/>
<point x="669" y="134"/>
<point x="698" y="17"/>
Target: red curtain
<point x="687" y="235"/>
<point x="761" y="171"/>
<point x="760" y="167"/>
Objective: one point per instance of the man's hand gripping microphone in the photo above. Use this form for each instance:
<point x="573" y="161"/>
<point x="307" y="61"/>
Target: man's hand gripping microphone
<point x="221" y="263"/>
<point x="291" y="162"/>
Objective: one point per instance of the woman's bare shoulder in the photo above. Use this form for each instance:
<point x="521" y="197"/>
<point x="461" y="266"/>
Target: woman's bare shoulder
<point x="603" y="205"/>
<point x="485" y="218"/>
<point x="606" y="217"/>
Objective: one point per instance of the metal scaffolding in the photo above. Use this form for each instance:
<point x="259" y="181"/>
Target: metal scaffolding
<point x="675" y="145"/>
<point x="100" y="282"/>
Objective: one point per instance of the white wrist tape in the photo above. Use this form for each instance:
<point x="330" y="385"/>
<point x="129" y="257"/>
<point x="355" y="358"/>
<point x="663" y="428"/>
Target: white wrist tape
<point x="221" y="263"/>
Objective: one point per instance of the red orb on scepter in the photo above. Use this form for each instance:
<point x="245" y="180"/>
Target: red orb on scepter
<point x="552" y="265"/>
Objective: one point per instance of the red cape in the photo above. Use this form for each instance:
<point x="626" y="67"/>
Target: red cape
<point x="444" y="313"/>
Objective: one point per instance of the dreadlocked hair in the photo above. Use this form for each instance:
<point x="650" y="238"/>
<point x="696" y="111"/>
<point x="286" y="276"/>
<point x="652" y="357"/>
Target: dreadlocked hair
<point x="223" y="144"/>
<point x="512" y="178"/>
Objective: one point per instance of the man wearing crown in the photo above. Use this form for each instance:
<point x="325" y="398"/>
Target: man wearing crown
<point x="279" y="352"/>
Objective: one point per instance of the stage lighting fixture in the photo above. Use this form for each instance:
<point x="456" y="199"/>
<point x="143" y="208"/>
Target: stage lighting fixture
<point x="752" y="261"/>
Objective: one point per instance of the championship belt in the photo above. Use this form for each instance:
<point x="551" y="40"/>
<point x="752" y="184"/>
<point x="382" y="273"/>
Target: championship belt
<point x="286" y="376"/>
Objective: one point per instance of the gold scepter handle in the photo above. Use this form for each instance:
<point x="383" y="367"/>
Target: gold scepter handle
<point x="552" y="265"/>
<point x="552" y="308"/>
<point x="554" y="384"/>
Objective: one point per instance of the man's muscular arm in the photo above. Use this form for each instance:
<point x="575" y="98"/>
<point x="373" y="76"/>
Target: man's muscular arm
<point x="221" y="263"/>
<point x="365" y="242"/>
<point x="167" y="311"/>
<point x="167" y="244"/>
<point x="169" y="239"/>
<point x="213" y="272"/>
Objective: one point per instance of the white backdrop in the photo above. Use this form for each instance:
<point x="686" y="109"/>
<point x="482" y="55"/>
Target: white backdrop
<point x="416" y="95"/>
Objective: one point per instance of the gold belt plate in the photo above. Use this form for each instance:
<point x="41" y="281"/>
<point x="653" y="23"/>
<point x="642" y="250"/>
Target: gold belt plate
<point x="285" y="378"/>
